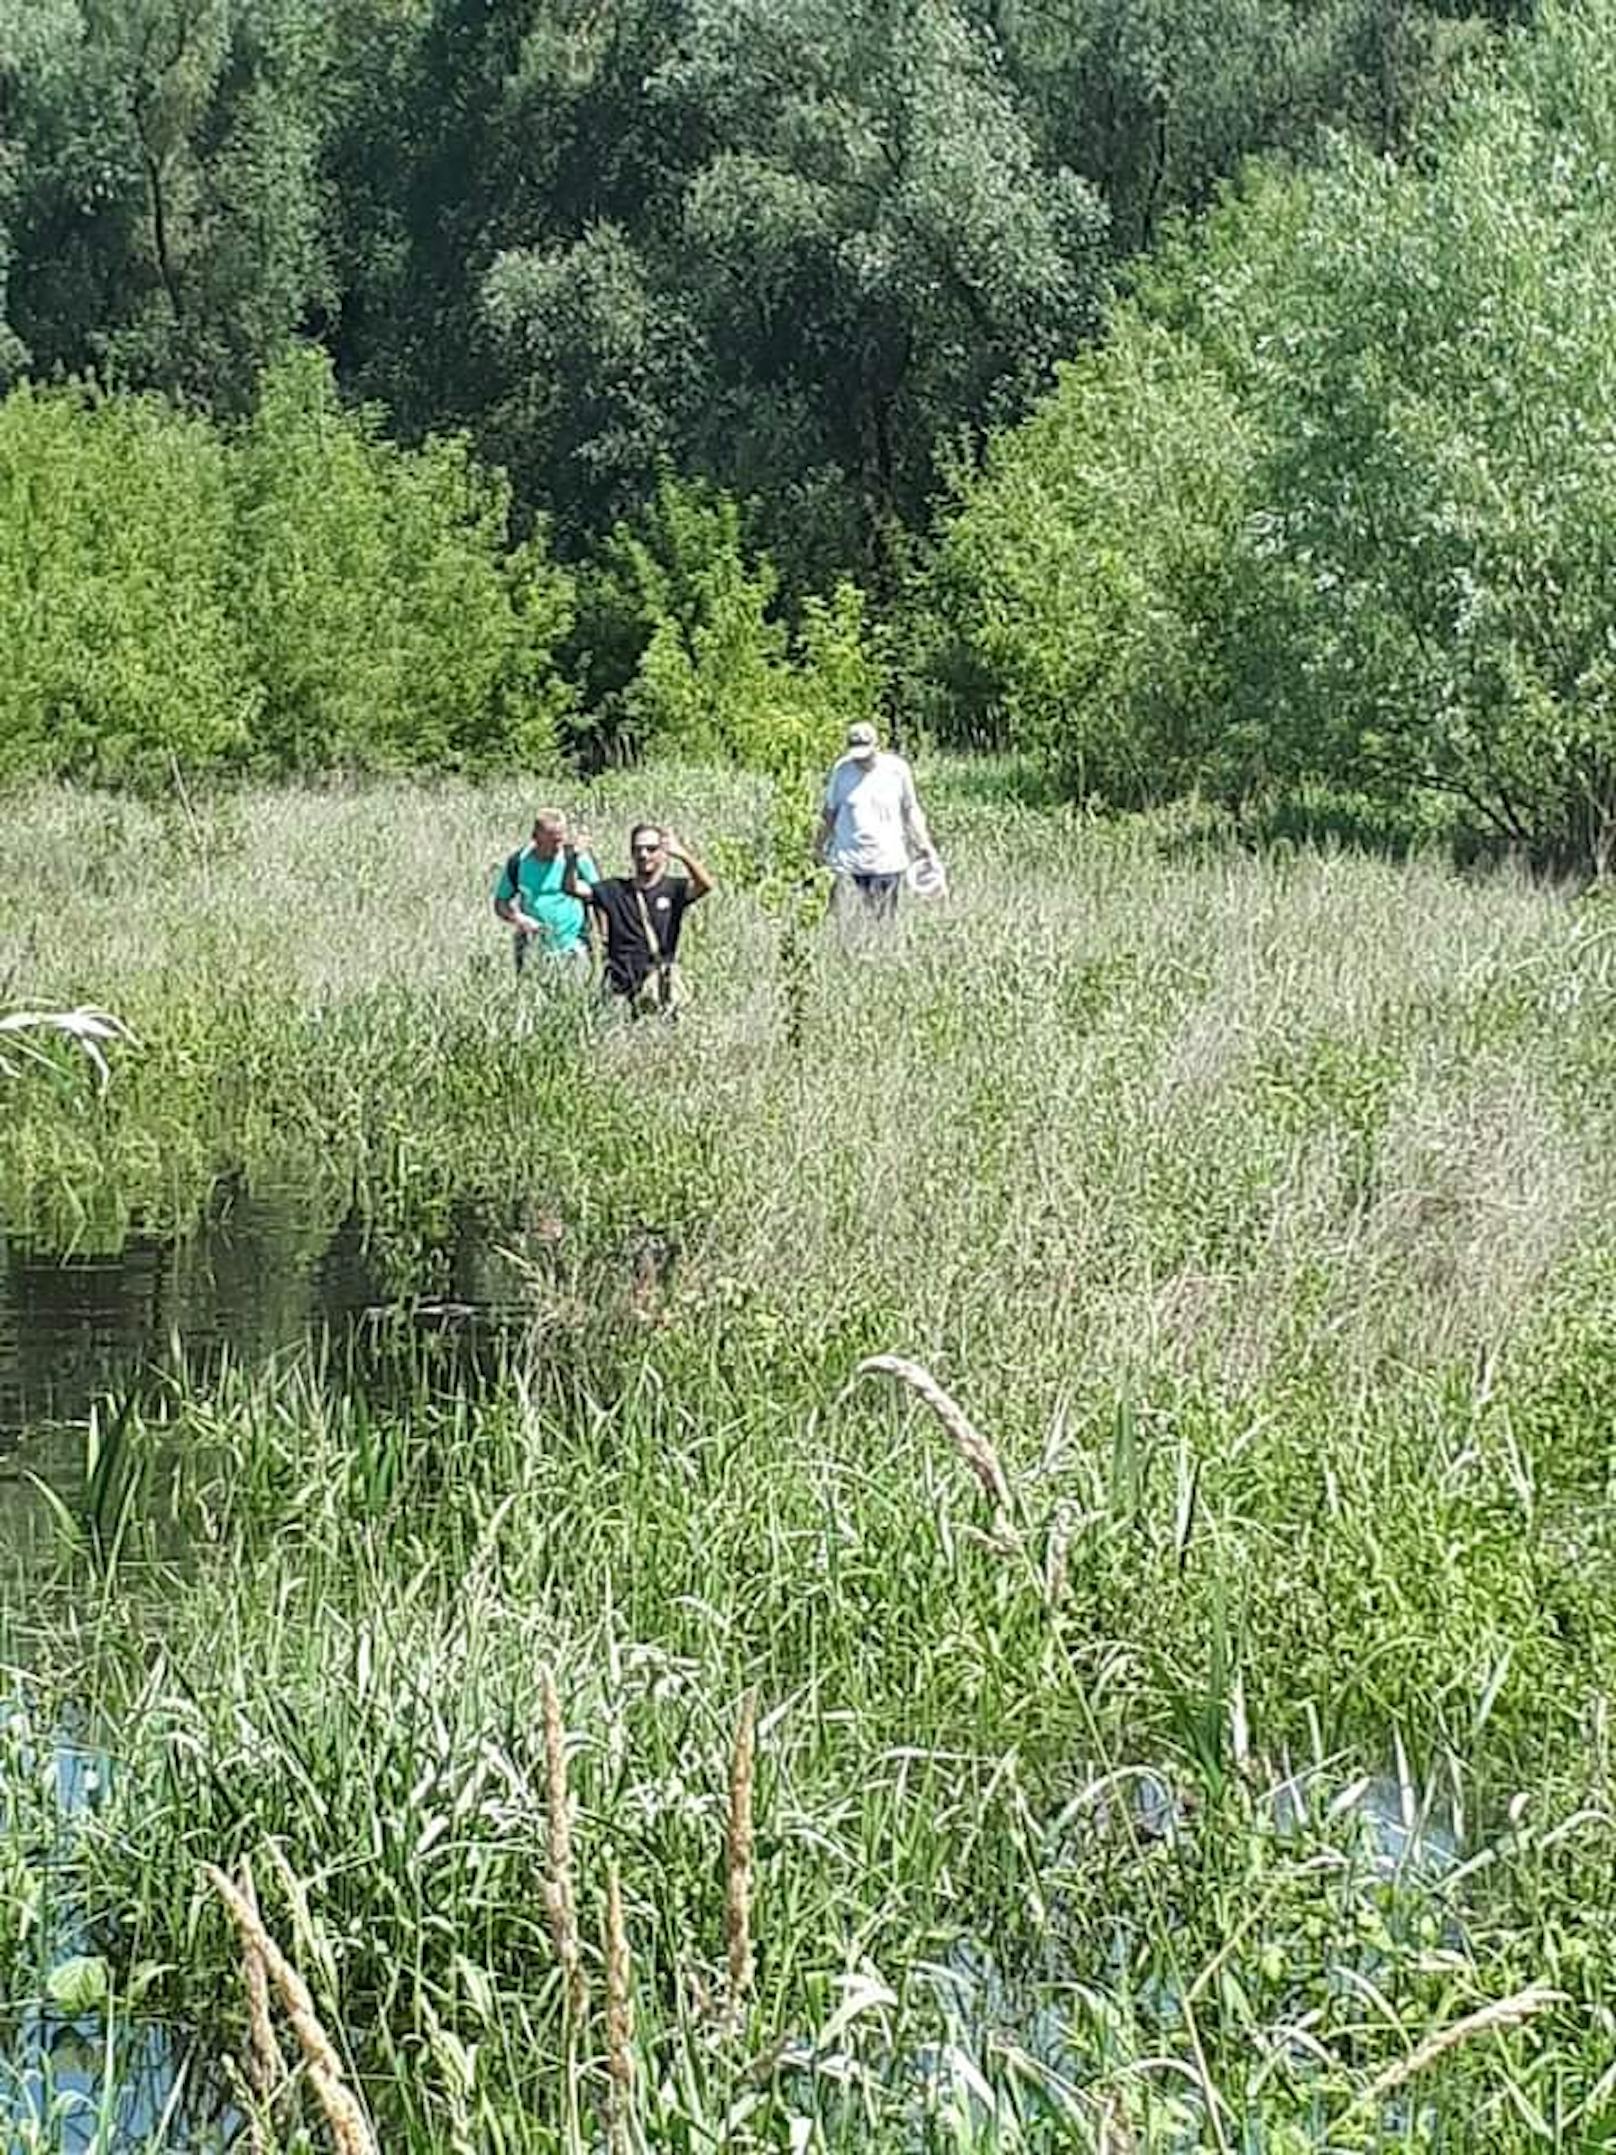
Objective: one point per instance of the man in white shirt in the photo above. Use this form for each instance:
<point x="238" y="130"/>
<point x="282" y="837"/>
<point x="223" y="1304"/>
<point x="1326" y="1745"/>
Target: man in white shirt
<point x="872" y="825"/>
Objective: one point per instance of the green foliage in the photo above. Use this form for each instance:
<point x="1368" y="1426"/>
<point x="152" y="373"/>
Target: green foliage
<point x="882" y="228"/>
<point x="1454" y="519"/>
<point x="1156" y="101"/>
<point x="686" y="617"/>
<point x="168" y="213"/>
<point x="390" y="622"/>
<point x="124" y="654"/>
<point x="300" y="594"/>
<point x="1093" y="573"/>
<point x="1335" y="501"/>
<point x="793" y="247"/>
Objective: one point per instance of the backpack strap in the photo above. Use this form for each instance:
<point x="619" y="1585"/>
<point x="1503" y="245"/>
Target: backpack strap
<point x="659" y="964"/>
<point x="652" y="939"/>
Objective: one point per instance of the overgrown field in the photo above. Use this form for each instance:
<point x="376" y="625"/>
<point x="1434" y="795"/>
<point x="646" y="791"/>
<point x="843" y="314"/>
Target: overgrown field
<point x="1192" y="1788"/>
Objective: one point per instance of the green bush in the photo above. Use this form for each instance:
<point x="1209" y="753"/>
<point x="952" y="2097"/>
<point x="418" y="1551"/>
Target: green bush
<point x="1096" y="560"/>
<point x="298" y="595"/>
<point x="1442" y="410"/>
<point x="1335" y="502"/>
<point x="687" y="653"/>
<point x="390" y="620"/>
<point x="123" y="653"/>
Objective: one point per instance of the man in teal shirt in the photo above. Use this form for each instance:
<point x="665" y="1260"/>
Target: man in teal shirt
<point x="530" y="896"/>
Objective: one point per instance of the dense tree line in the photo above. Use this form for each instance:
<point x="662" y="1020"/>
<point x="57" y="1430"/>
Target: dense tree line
<point x="422" y="382"/>
<point x="292" y="592"/>
<point x="800" y="248"/>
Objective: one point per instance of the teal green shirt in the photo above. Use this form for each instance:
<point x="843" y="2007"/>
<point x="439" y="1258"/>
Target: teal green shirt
<point x="560" y="918"/>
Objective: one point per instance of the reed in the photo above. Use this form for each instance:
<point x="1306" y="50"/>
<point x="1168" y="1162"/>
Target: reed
<point x="970" y="1445"/>
<point x="560" y="1892"/>
<point x="267" y="2072"/>
<point x="738" y="1848"/>
<point x="1495" y="2018"/>
<point x="350" y="2130"/>
<point x="1264" y="1211"/>
<point x="619" y="2021"/>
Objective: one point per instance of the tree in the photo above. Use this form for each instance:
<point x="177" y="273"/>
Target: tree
<point x="682" y="645"/>
<point x="390" y="620"/>
<point x="467" y="129"/>
<point x="1157" y="101"/>
<point x="869" y="252"/>
<point x="123" y="657"/>
<point x="166" y="226"/>
<point x="293" y="594"/>
<point x="1443" y="420"/>
<point x="36" y="48"/>
<point x="1094" y="570"/>
<point x="1338" y="497"/>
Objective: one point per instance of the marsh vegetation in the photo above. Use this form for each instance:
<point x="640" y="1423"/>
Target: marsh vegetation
<point x="1184" y="1778"/>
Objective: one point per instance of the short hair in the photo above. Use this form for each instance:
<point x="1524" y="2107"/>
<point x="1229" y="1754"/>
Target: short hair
<point x="549" y="819"/>
<point x="635" y="829"/>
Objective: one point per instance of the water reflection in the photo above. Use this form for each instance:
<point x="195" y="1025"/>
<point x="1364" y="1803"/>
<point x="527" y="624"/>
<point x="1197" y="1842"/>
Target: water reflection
<point x="264" y="1269"/>
<point x="77" y="2076"/>
<point x="269" y="1273"/>
<point x="81" y="2087"/>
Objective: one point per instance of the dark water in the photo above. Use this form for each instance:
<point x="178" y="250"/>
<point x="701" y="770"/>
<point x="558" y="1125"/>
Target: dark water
<point x="264" y="1271"/>
<point x="260" y="1274"/>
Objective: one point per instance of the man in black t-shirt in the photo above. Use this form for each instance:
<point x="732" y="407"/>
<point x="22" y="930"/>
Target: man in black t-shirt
<point x="642" y="915"/>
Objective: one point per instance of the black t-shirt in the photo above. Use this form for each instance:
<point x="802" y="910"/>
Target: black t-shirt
<point x="617" y="898"/>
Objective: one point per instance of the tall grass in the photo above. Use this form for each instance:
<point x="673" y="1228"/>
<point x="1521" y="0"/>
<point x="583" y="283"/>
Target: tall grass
<point x="1223" y="1767"/>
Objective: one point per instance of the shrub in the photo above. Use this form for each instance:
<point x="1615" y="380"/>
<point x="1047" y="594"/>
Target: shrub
<point x="300" y="595"/>
<point x="391" y="622"/>
<point x="123" y="654"/>
<point x="1094" y="563"/>
<point x="689" y="657"/>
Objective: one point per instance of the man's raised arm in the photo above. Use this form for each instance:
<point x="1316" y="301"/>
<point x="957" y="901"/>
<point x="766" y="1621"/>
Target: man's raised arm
<point x="701" y="878"/>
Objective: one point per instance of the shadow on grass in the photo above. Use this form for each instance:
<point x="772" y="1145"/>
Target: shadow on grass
<point x="1320" y="822"/>
<point x="1312" y="820"/>
<point x="990" y="780"/>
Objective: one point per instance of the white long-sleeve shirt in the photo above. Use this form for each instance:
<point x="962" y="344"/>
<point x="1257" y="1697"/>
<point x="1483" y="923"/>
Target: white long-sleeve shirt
<point x="876" y="822"/>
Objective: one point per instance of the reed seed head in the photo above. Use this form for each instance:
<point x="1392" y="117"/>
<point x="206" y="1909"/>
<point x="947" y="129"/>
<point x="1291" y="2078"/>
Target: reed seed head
<point x="619" y="2019"/>
<point x="738" y="1852"/>
<point x="560" y="1889"/>
<point x="967" y="1440"/>
<point x="266" y="2065"/>
<point x="350" y="2129"/>
<point x="1502" y="2014"/>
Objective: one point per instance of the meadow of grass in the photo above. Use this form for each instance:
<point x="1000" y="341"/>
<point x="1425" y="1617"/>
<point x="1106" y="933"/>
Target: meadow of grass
<point x="1224" y="1761"/>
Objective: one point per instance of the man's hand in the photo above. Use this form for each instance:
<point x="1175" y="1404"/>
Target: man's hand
<point x="673" y="846"/>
